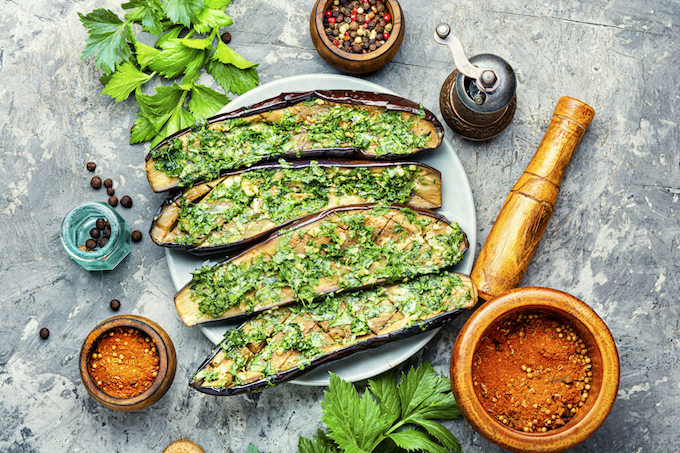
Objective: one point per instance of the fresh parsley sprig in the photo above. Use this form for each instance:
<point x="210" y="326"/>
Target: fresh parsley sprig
<point x="389" y="417"/>
<point x="187" y="31"/>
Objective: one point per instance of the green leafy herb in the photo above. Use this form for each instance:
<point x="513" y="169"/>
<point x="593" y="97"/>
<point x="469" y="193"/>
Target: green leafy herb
<point x="399" y="418"/>
<point x="188" y="42"/>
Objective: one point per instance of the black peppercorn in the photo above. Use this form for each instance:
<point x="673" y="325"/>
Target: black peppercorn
<point x="90" y="244"/>
<point x="101" y="223"/>
<point x="96" y="182"/>
<point x="91" y="166"/>
<point x="126" y="202"/>
<point x="94" y="232"/>
<point x="113" y="201"/>
<point x="44" y="333"/>
<point x="110" y="191"/>
<point x="103" y="242"/>
<point x="106" y="233"/>
<point x="136" y="236"/>
<point x="115" y="304"/>
<point x="108" y="183"/>
<point x="226" y="37"/>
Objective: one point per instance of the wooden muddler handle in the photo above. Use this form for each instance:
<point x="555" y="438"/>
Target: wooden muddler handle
<point x="524" y="217"/>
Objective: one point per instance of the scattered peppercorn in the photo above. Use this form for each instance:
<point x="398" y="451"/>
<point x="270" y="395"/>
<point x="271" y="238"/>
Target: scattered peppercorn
<point x="91" y="166"/>
<point x="126" y="202"/>
<point x="96" y="182"/>
<point x="44" y="333"/>
<point x="110" y="191"/>
<point x="90" y="244"/>
<point x="226" y="37"/>
<point x="115" y="304"/>
<point x="136" y="236"/>
<point x="108" y="183"/>
<point x="94" y="232"/>
<point x="113" y="201"/>
<point x="358" y="29"/>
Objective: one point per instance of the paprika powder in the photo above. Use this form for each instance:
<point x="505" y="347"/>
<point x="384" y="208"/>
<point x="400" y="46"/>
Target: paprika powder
<point x="124" y="363"/>
<point x="532" y="373"/>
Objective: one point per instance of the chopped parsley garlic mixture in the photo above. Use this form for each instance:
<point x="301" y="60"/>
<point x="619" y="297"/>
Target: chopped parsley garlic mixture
<point x="247" y="204"/>
<point x="293" y="336"/>
<point x="343" y="250"/>
<point x="209" y="149"/>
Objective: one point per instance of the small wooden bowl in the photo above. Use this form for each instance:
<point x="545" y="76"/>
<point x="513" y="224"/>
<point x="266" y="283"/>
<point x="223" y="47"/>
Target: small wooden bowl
<point x="351" y="62"/>
<point x="166" y="367"/>
<point x="601" y="349"/>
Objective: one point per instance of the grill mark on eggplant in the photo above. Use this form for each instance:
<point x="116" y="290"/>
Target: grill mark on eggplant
<point x="221" y="374"/>
<point x="376" y="271"/>
<point x="165" y="229"/>
<point x="271" y="109"/>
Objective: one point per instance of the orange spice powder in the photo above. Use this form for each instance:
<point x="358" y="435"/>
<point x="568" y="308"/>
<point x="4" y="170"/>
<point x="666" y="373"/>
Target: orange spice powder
<point x="124" y="363"/>
<point x="532" y="373"/>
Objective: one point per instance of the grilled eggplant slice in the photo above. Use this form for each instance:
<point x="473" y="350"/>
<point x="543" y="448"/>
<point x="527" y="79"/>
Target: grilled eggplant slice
<point x="246" y="206"/>
<point x="339" y="249"/>
<point x="284" y="343"/>
<point x="339" y="123"/>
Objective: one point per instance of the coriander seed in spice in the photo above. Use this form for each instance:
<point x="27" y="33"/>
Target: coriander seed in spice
<point x="124" y="363"/>
<point x="532" y="373"/>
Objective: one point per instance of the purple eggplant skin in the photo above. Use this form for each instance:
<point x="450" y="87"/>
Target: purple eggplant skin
<point x="293" y="373"/>
<point x="301" y="224"/>
<point x="226" y="248"/>
<point x="387" y="101"/>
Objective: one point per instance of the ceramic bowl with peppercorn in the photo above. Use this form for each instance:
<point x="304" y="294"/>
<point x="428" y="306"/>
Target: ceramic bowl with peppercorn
<point x="357" y="36"/>
<point x="127" y="363"/>
<point x="535" y="370"/>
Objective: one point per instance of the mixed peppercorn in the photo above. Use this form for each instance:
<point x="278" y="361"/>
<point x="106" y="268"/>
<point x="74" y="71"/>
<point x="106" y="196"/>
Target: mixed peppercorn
<point x="358" y="26"/>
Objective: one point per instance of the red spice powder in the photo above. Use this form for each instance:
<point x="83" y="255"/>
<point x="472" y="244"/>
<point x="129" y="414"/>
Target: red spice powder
<point x="124" y="363"/>
<point x="532" y="373"/>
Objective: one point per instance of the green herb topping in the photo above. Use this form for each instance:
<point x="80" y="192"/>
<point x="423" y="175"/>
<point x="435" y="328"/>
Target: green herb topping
<point x="246" y="204"/>
<point x="343" y="250"/>
<point x="208" y="150"/>
<point x="295" y="335"/>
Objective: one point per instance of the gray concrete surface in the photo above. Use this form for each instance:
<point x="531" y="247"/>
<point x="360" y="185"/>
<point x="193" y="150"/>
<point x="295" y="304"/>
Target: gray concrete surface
<point x="613" y="241"/>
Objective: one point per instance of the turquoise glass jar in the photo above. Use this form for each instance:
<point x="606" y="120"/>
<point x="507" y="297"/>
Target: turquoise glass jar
<point x="75" y="230"/>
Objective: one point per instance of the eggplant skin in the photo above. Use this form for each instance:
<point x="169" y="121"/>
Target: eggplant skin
<point x="441" y="256"/>
<point x="426" y="194"/>
<point x="367" y="344"/>
<point x="160" y="182"/>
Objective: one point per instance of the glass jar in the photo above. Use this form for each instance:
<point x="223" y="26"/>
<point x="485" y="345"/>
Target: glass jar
<point x="75" y="230"/>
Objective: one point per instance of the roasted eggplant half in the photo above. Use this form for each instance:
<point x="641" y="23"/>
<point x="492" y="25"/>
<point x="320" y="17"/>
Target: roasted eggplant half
<point x="339" y="249"/>
<point x="284" y="343"/>
<point x="249" y="205"/>
<point x="339" y="123"/>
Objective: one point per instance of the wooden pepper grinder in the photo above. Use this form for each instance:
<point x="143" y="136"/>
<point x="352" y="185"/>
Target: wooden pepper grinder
<point x="478" y="99"/>
<point x="524" y="217"/>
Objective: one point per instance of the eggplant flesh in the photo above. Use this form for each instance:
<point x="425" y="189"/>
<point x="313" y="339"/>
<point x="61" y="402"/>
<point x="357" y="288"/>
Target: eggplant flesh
<point x="284" y="343"/>
<point x="336" y="123"/>
<point x="337" y="250"/>
<point x="246" y="206"/>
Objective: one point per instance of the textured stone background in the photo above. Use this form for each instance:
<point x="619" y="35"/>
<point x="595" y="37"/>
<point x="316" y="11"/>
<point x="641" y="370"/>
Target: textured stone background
<point x="613" y="240"/>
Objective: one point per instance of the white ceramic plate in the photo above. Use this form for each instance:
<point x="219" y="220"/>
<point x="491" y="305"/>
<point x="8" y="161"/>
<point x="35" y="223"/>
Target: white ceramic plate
<point x="457" y="204"/>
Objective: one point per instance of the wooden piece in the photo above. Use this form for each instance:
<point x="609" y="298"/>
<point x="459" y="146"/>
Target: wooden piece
<point x="524" y="217"/>
<point x="183" y="446"/>
<point x="351" y="62"/>
<point x="166" y="366"/>
<point x="590" y="328"/>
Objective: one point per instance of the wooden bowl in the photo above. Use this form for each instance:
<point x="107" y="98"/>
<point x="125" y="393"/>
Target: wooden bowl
<point x="166" y="367"/>
<point x="601" y="349"/>
<point x="351" y="62"/>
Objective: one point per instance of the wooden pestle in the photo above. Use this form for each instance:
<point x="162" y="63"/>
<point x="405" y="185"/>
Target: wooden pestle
<point x="526" y="212"/>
